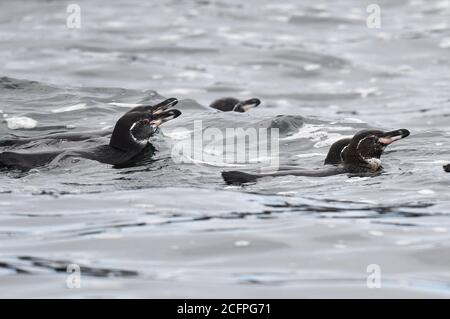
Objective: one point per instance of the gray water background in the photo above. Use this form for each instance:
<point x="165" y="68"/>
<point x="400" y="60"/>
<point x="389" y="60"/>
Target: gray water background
<point x="164" y="229"/>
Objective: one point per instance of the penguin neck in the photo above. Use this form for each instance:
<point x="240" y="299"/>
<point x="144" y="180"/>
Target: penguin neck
<point x="126" y="142"/>
<point x="373" y="164"/>
<point x="355" y="161"/>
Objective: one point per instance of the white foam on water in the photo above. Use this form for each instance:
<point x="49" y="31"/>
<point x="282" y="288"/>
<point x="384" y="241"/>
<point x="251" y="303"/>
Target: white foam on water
<point x="439" y="27"/>
<point x="318" y="134"/>
<point x="426" y="192"/>
<point x="287" y="193"/>
<point x="284" y="37"/>
<point x="125" y="104"/>
<point x="384" y="35"/>
<point x="439" y="162"/>
<point x="376" y="233"/>
<point x="279" y="18"/>
<point x="286" y="7"/>
<point x="404" y="242"/>
<point x="114" y="24"/>
<point x="193" y="75"/>
<point x="311" y="67"/>
<point x="445" y="43"/>
<point x="105" y="56"/>
<point x="416" y="2"/>
<point x="170" y="37"/>
<point x="349" y="120"/>
<point x="405" y="69"/>
<point x="144" y="205"/>
<point x="241" y="243"/>
<point x="245" y="92"/>
<point x="186" y="158"/>
<point x="444" y="4"/>
<point x="282" y="103"/>
<point x="309" y="155"/>
<point x="182" y="91"/>
<point x="108" y="236"/>
<point x="356" y="179"/>
<point x="70" y="108"/>
<point x="365" y="92"/>
<point x="240" y="36"/>
<point x="331" y="138"/>
<point x="17" y="123"/>
<point x="211" y="157"/>
<point x="328" y="87"/>
<point x="179" y="134"/>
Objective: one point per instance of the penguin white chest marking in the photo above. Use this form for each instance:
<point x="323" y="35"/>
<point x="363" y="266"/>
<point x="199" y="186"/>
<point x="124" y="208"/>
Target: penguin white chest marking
<point x="373" y="163"/>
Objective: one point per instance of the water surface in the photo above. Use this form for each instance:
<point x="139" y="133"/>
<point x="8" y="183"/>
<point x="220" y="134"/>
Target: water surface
<point x="169" y="229"/>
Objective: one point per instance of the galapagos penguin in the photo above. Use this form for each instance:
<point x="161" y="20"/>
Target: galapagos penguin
<point x="128" y="140"/>
<point x="360" y="154"/>
<point x="229" y="104"/>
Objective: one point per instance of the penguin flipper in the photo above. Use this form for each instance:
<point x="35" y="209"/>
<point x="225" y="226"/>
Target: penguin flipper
<point x="447" y="168"/>
<point x="236" y="177"/>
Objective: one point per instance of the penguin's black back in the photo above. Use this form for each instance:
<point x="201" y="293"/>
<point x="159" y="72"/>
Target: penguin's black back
<point x="225" y="104"/>
<point x="335" y="155"/>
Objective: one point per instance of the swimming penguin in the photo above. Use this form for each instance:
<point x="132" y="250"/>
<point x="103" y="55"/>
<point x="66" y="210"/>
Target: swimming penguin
<point x="360" y="154"/>
<point x="128" y="140"/>
<point x="228" y="104"/>
<point x="447" y="168"/>
<point x="72" y="137"/>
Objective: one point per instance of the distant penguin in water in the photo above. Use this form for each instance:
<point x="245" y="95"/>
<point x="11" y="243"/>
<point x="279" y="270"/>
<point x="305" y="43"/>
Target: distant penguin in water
<point x="447" y="168"/>
<point x="129" y="139"/>
<point x="360" y="154"/>
<point x="229" y="104"/>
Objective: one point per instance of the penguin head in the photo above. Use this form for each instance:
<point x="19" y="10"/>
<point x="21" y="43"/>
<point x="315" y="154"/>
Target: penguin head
<point x="230" y="104"/>
<point x="143" y="129"/>
<point x="367" y="146"/>
<point x="135" y="127"/>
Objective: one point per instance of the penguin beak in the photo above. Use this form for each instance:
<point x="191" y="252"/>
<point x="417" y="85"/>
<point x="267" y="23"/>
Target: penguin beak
<point x="164" y="105"/>
<point x="247" y="105"/>
<point x="393" y="136"/>
<point x="164" y="117"/>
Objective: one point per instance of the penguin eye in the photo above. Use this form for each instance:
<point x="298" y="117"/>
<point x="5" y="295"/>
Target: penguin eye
<point x="373" y="139"/>
<point x="367" y="145"/>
